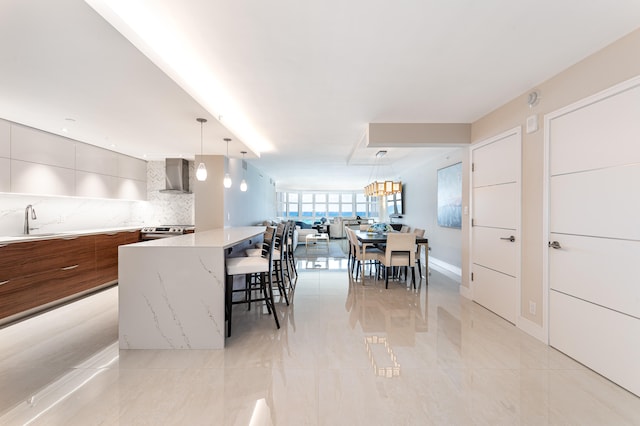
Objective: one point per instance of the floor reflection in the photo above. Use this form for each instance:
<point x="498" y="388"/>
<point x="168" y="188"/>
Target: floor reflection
<point x="348" y="352"/>
<point x="399" y="312"/>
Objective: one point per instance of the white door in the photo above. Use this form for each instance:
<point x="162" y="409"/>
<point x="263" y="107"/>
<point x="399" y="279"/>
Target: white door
<point x="594" y="232"/>
<point x="495" y="232"/>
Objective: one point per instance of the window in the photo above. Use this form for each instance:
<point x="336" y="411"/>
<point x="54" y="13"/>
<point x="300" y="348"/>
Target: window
<point x="293" y="210"/>
<point x="313" y="206"/>
<point x="307" y="210"/>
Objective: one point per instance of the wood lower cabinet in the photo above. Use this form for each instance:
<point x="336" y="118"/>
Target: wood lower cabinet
<point x="37" y="273"/>
<point x="25" y="293"/>
<point x="107" y="256"/>
<point x="107" y="253"/>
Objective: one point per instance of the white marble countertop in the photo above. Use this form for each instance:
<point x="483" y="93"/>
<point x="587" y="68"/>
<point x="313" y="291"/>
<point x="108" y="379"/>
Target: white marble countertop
<point x="222" y="237"/>
<point x="62" y="234"/>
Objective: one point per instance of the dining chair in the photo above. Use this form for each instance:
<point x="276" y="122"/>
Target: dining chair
<point x="364" y="226"/>
<point x="419" y="234"/>
<point x="400" y="251"/>
<point x="361" y="254"/>
<point x="258" y="271"/>
<point x="405" y="229"/>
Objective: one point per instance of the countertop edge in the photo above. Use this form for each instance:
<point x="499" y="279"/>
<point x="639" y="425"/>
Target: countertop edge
<point x="66" y="234"/>
<point x="214" y="238"/>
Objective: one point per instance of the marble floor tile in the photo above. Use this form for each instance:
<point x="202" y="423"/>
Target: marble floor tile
<point x="347" y="353"/>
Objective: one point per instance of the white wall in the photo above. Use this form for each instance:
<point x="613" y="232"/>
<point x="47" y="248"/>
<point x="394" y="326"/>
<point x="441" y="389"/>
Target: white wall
<point x="255" y="205"/>
<point x="421" y="189"/>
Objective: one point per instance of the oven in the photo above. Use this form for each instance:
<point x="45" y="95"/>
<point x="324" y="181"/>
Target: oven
<point x="150" y="233"/>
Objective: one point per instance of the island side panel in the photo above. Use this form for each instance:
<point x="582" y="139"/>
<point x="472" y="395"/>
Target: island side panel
<point x="171" y="297"/>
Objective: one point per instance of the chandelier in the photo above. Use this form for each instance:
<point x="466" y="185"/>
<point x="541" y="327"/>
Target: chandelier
<point x="382" y="188"/>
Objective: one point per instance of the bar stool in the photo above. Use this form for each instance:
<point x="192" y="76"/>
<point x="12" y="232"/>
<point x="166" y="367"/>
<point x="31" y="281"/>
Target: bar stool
<point x="280" y="260"/>
<point x="258" y="267"/>
<point x="290" y="250"/>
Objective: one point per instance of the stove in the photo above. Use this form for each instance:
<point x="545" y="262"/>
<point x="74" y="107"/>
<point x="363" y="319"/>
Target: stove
<point x="165" y="231"/>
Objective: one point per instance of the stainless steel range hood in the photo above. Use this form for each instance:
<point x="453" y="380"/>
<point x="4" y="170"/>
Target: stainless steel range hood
<point x="177" y="176"/>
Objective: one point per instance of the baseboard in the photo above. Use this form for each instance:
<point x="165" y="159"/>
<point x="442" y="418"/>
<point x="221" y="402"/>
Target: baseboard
<point x="466" y="292"/>
<point x="532" y="329"/>
<point x="445" y="268"/>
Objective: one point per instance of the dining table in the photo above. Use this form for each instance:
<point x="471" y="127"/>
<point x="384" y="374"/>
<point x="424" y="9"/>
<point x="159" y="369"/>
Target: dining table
<point x="379" y="238"/>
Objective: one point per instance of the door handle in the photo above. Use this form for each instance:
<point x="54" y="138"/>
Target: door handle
<point x="4" y="282"/>
<point x="555" y="245"/>
<point x="510" y="238"/>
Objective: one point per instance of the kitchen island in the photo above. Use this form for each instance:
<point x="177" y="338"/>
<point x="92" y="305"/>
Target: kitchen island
<point x="171" y="290"/>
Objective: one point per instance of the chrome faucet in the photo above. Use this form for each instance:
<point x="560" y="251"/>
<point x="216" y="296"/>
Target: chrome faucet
<point x="26" y="217"/>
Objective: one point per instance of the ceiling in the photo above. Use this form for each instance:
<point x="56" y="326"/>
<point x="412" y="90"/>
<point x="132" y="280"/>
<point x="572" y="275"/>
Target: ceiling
<point x="294" y="83"/>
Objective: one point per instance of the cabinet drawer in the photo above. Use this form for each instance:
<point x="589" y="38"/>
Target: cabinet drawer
<point x="32" y="257"/>
<point x="107" y="257"/>
<point x="107" y="253"/>
<point x="28" y="292"/>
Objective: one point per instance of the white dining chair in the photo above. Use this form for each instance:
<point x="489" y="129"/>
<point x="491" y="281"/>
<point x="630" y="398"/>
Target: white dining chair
<point x="399" y="251"/>
<point x="419" y="234"/>
<point x="361" y="253"/>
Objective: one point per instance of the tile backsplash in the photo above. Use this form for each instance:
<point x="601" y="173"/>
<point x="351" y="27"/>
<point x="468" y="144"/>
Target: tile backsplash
<point x="167" y="209"/>
<point x="61" y="214"/>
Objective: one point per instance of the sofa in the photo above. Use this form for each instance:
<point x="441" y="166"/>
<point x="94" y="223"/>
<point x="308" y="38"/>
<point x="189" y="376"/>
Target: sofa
<point x="301" y="232"/>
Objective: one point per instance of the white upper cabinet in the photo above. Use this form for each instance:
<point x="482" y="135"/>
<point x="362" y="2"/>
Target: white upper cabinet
<point x="96" y="185"/>
<point x="5" y="139"/>
<point x="5" y="175"/>
<point x="40" y="147"/>
<point x="130" y="189"/>
<point x="36" y="162"/>
<point x="132" y="168"/>
<point x="41" y="179"/>
<point x="92" y="159"/>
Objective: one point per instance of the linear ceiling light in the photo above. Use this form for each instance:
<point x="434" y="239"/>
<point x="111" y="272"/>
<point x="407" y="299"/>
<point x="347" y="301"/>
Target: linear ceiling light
<point x="155" y="32"/>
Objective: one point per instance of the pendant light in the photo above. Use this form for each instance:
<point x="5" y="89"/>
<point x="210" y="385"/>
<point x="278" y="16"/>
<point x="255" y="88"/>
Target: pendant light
<point x="201" y="172"/>
<point x="243" y="184"/>
<point x="227" y="179"/>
